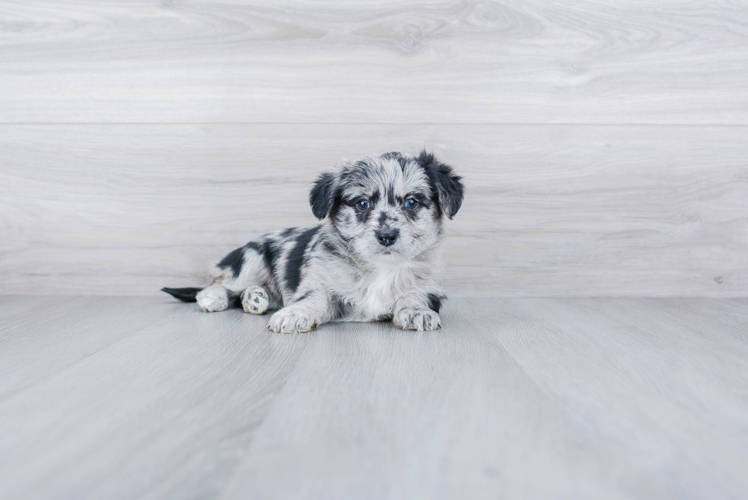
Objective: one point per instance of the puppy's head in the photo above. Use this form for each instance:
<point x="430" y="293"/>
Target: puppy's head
<point x="389" y="206"/>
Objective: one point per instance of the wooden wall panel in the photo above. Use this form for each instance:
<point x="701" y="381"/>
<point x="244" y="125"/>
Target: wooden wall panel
<point x="603" y="143"/>
<point x="550" y="209"/>
<point x="374" y="61"/>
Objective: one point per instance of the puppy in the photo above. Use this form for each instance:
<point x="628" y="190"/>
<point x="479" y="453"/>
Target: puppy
<point x="374" y="257"/>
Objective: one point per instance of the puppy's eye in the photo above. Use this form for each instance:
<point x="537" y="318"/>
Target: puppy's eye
<point x="410" y="203"/>
<point x="362" y="204"/>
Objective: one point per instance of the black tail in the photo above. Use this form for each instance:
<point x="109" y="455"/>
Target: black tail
<point x="183" y="294"/>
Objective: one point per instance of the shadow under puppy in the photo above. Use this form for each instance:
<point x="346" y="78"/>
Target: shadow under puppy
<point x="374" y="257"/>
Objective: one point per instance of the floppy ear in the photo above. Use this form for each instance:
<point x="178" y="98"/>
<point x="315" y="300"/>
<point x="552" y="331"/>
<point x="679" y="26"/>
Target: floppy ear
<point x="444" y="182"/>
<point x="322" y="195"/>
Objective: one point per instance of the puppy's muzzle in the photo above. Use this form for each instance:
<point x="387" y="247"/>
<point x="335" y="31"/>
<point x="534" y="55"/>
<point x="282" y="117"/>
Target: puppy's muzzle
<point x="387" y="236"/>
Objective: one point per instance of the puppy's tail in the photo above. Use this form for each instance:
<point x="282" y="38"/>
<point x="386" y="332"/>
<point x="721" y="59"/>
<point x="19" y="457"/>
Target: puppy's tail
<point x="183" y="294"/>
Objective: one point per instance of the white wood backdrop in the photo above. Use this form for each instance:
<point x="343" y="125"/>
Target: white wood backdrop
<point x="604" y="144"/>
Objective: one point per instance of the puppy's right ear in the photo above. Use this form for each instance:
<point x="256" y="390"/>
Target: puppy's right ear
<point x="322" y="195"/>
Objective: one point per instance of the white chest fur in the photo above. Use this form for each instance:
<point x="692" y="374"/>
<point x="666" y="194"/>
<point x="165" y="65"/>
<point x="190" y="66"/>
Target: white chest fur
<point x="371" y="294"/>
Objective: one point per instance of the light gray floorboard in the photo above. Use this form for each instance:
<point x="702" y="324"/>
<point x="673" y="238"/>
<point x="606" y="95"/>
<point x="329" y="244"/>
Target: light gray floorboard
<point x="514" y="398"/>
<point x="372" y="412"/>
<point x="161" y="413"/>
<point x="549" y="209"/>
<point x="46" y="336"/>
<point x="374" y="61"/>
<point x="649" y="380"/>
<point x="14" y="307"/>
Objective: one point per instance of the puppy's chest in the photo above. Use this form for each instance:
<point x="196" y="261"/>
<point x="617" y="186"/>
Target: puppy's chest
<point x="372" y="296"/>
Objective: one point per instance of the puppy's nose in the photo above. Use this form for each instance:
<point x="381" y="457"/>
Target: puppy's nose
<point x="387" y="236"/>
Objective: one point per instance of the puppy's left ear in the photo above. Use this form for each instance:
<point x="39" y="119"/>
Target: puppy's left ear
<point x="449" y="189"/>
<point x="322" y="195"/>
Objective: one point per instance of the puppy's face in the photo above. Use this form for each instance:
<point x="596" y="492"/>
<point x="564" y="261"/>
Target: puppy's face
<point x="389" y="207"/>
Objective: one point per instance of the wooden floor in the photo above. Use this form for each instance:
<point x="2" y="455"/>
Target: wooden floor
<point x="142" y="397"/>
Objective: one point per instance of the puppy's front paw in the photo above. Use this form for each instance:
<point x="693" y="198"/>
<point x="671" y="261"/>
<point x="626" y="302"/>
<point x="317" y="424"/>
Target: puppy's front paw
<point x="293" y="320"/>
<point x="410" y="318"/>
<point x="255" y="300"/>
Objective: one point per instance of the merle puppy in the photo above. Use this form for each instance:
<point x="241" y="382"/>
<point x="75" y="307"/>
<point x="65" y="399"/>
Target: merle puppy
<point x="374" y="257"/>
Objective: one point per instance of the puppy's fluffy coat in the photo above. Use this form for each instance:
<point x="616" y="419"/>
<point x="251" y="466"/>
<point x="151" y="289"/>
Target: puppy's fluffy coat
<point x="374" y="257"/>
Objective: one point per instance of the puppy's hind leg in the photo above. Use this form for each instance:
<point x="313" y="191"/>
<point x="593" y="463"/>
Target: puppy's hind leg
<point x="240" y="275"/>
<point x="255" y="300"/>
<point x="213" y="298"/>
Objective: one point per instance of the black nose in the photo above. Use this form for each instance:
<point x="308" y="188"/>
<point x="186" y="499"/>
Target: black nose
<point x="387" y="236"/>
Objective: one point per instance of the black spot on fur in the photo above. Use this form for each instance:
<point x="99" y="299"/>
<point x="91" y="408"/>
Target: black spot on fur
<point x="391" y="195"/>
<point x="321" y="197"/>
<point x="268" y="251"/>
<point x="296" y="258"/>
<point x="392" y="155"/>
<point x="235" y="260"/>
<point x="336" y="202"/>
<point x="183" y="294"/>
<point x="288" y="232"/>
<point x="435" y="302"/>
<point x="332" y="249"/>
<point x="382" y="218"/>
<point x="269" y="256"/>
<point x="448" y="190"/>
<point x="306" y="295"/>
<point x="396" y="156"/>
<point x="257" y="247"/>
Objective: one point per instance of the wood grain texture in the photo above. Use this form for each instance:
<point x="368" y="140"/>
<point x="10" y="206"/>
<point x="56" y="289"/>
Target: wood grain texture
<point x="550" y="210"/>
<point x="427" y="61"/>
<point x="403" y="415"/>
<point x="643" y="377"/>
<point x="34" y="346"/>
<point x="164" y="412"/>
<point x="513" y="398"/>
<point x="516" y="398"/>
